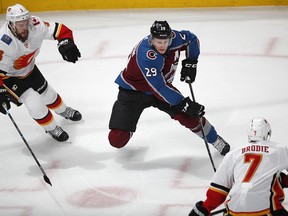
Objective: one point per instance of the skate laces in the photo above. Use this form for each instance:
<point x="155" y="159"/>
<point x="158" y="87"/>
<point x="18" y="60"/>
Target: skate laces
<point x="56" y="132"/>
<point x="68" y="113"/>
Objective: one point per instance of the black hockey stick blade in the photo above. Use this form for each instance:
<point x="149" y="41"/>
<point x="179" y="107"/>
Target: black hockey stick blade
<point x="47" y="180"/>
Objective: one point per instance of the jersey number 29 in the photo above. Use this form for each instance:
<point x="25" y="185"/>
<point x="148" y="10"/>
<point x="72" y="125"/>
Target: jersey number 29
<point x="151" y="72"/>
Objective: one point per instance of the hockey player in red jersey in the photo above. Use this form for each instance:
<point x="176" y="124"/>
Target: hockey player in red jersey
<point x="21" y="81"/>
<point x="147" y="82"/>
<point x="251" y="176"/>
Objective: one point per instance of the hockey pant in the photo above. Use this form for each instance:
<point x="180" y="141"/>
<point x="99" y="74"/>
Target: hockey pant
<point x="119" y="138"/>
<point x="37" y="95"/>
<point x="128" y="108"/>
<point x="194" y="125"/>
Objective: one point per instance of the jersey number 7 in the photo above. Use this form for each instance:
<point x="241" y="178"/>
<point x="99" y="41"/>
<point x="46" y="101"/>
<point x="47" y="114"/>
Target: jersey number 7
<point x="254" y="160"/>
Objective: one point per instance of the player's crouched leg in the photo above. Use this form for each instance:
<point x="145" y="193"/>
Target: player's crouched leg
<point x="119" y="138"/>
<point x="209" y="131"/>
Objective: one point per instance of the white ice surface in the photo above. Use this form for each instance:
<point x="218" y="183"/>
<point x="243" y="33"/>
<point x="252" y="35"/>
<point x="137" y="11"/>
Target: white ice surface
<point x="165" y="169"/>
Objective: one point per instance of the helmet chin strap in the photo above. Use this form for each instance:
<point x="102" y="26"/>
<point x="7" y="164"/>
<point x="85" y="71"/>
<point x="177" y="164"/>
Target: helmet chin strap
<point x="12" y="28"/>
<point x="150" y="39"/>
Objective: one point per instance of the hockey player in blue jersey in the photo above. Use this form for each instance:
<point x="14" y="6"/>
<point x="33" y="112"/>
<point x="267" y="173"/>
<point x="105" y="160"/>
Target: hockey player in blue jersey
<point x="147" y="82"/>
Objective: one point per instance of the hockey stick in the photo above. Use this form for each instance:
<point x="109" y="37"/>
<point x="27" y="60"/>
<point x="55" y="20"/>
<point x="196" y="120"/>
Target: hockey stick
<point x="218" y="211"/>
<point x="200" y="122"/>
<point x="47" y="180"/>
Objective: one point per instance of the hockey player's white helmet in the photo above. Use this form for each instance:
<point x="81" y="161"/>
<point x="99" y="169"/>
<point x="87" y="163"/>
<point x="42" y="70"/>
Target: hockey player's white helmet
<point x="259" y="129"/>
<point x="16" y="13"/>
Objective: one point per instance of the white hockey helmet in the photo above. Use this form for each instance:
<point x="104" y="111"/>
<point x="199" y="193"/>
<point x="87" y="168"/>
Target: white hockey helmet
<point x="259" y="129"/>
<point x="16" y="13"/>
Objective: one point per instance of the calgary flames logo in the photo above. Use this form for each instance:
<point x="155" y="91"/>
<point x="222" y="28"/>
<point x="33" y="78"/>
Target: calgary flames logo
<point x="24" y="60"/>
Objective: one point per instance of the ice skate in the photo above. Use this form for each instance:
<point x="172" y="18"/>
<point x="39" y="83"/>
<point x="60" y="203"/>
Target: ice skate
<point x="58" y="134"/>
<point x="71" y="114"/>
<point x="221" y="145"/>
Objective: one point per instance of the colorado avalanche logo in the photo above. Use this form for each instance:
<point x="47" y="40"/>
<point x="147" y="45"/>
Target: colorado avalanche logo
<point x="151" y="54"/>
<point x="173" y="35"/>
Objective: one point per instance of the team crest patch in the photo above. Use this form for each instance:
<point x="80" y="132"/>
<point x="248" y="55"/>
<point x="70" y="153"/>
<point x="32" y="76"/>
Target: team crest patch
<point x="151" y="54"/>
<point x="6" y="39"/>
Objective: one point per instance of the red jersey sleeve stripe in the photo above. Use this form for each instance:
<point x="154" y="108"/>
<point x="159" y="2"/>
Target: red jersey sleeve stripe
<point x="62" y="31"/>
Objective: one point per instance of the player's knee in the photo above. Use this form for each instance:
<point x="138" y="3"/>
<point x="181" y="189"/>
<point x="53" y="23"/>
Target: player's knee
<point x="186" y="120"/>
<point x="119" y="138"/>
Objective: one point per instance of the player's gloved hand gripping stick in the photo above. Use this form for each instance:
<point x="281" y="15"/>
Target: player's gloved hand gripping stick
<point x="4" y="100"/>
<point x="189" y="81"/>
